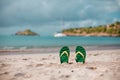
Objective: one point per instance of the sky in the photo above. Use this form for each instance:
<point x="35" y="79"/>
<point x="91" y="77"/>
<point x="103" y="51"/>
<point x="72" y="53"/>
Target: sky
<point x="49" y="16"/>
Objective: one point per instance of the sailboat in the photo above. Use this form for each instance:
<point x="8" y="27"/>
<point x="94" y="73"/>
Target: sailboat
<point x="59" y="34"/>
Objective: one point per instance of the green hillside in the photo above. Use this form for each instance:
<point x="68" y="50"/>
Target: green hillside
<point x="26" y="32"/>
<point x="101" y="30"/>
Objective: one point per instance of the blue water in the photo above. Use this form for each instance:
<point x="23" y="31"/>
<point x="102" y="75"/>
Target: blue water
<point x="49" y="41"/>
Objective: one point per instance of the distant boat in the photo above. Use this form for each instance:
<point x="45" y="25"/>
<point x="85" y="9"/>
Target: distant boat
<point x="59" y="35"/>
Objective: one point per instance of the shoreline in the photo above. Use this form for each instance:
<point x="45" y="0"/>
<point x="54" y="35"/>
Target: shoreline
<point x="55" y="49"/>
<point x="92" y="35"/>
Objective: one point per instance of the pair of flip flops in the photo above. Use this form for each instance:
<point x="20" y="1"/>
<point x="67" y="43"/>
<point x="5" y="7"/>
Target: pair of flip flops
<point x="80" y="54"/>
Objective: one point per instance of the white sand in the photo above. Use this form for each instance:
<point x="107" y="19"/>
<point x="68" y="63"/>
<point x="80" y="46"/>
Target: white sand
<point x="100" y="65"/>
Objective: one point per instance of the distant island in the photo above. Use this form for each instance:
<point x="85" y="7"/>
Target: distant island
<point x="27" y="32"/>
<point x="101" y="30"/>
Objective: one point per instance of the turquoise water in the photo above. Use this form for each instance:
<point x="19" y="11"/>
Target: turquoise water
<point x="49" y="41"/>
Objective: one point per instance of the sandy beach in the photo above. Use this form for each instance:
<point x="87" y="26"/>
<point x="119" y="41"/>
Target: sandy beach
<point x="100" y="65"/>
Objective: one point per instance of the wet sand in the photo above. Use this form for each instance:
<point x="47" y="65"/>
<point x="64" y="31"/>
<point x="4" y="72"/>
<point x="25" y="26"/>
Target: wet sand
<point x="100" y="65"/>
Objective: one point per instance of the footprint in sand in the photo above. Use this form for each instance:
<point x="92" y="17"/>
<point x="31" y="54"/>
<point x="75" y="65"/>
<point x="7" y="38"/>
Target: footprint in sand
<point x="44" y="58"/>
<point x="19" y="74"/>
<point x="38" y="65"/>
<point x="64" y="76"/>
<point x="4" y="73"/>
<point x="95" y="54"/>
<point x="25" y="59"/>
<point x="24" y="75"/>
<point x="4" y="65"/>
<point x="91" y="67"/>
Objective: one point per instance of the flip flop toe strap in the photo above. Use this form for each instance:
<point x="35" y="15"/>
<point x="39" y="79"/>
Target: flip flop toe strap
<point x="80" y="54"/>
<point x="64" y="52"/>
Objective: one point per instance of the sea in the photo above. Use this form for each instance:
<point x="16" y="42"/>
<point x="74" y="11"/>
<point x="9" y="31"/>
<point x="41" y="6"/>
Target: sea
<point x="15" y="41"/>
<point x="9" y="42"/>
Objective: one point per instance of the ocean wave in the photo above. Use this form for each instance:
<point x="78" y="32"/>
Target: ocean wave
<point x="23" y="48"/>
<point x="12" y="48"/>
<point x="8" y="48"/>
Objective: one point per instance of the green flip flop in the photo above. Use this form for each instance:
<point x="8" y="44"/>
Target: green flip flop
<point x="80" y="54"/>
<point x="64" y="54"/>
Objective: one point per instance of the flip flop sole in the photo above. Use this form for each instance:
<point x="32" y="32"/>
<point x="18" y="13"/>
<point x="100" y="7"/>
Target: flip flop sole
<point x="64" y="54"/>
<point x="80" y="54"/>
